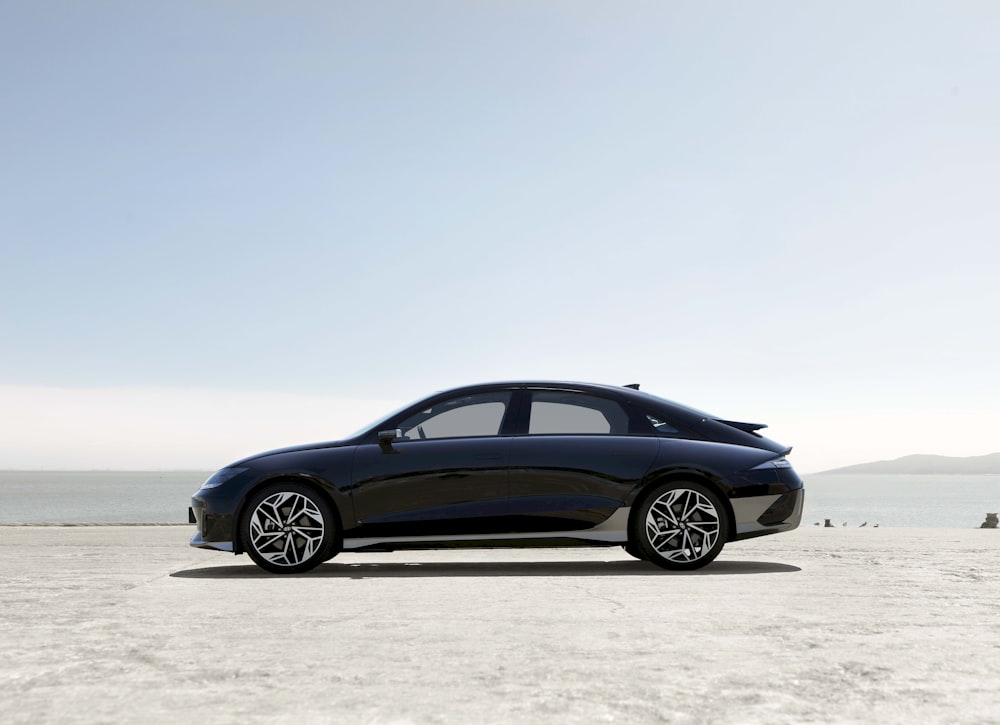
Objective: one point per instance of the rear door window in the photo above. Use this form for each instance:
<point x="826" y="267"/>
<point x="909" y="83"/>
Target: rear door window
<point x="565" y="413"/>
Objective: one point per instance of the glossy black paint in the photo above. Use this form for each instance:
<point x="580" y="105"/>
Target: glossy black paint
<point x="424" y="487"/>
<point x="510" y="482"/>
<point x="560" y="483"/>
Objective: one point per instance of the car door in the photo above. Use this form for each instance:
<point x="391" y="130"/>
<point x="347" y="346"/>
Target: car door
<point x="446" y="474"/>
<point x="575" y="462"/>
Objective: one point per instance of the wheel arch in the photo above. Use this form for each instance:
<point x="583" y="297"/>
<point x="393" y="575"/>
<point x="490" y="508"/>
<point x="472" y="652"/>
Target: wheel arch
<point x="682" y="475"/>
<point x="339" y="503"/>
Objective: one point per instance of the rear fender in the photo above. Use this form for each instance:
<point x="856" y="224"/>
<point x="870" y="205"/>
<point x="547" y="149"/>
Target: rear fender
<point x="680" y="475"/>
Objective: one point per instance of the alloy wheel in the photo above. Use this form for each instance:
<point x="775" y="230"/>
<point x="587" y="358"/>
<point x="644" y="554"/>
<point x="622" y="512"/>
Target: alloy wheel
<point x="287" y="528"/>
<point x="682" y="525"/>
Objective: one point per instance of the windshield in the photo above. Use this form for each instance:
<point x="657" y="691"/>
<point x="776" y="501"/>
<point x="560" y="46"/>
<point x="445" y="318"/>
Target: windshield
<point x="378" y="422"/>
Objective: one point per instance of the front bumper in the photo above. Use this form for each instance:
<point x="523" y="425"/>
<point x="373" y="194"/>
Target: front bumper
<point x="199" y="543"/>
<point x="214" y="531"/>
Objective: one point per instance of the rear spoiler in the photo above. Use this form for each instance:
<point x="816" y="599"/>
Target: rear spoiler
<point x="747" y="427"/>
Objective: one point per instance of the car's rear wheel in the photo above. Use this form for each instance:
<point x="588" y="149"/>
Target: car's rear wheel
<point x="289" y="528"/>
<point x="680" y="525"/>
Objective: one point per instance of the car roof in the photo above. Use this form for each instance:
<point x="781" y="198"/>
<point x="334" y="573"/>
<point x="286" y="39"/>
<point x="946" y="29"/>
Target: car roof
<point x="620" y="391"/>
<point x="719" y="430"/>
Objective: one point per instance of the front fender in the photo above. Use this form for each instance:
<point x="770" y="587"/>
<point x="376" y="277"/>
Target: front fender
<point x="329" y="471"/>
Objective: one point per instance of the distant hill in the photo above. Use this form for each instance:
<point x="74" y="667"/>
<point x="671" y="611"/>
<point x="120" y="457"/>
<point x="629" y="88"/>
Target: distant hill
<point x="927" y="464"/>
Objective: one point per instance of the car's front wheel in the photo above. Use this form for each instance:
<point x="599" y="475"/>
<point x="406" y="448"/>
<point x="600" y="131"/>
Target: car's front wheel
<point x="288" y="528"/>
<point x="680" y="525"/>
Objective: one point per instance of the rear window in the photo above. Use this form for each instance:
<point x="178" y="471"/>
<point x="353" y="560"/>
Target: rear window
<point x="685" y="408"/>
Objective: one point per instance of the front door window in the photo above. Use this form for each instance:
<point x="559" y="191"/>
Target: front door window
<point x="469" y="416"/>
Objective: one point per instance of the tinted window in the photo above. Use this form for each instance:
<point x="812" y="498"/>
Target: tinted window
<point x="470" y="415"/>
<point x="567" y="413"/>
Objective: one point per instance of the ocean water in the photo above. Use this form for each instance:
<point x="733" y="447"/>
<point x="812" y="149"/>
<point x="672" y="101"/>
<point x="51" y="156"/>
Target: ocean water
<point x="97" y="497"/>
<point x="901" y="500"/>
<point x="162" y="497"/>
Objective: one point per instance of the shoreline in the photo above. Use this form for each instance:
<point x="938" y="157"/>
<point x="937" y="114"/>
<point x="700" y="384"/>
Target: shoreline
<point x="163" y="498"/>
<point x="70" y="524"/>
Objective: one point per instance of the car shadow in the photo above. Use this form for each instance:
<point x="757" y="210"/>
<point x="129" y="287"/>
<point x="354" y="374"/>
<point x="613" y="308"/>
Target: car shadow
<point x="449" y="569"/>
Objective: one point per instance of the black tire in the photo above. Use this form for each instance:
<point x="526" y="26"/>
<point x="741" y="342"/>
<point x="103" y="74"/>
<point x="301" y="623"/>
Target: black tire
<point x="288" y="528"/>
<point x="680" y="525"/>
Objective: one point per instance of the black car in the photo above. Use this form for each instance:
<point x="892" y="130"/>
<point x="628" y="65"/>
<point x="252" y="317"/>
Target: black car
<point x="509" y="464"/>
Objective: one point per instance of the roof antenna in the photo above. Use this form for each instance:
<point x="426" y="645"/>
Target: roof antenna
<point x="634" y="386"/>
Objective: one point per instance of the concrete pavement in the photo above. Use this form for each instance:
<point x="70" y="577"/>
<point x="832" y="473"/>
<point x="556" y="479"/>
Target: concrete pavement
<point x="106" y="624"/>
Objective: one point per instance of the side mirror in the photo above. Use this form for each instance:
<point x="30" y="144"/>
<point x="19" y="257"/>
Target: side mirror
<point x="388" y="436"/>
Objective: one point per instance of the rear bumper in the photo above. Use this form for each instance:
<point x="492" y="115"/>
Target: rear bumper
<point x="763" y="515"/>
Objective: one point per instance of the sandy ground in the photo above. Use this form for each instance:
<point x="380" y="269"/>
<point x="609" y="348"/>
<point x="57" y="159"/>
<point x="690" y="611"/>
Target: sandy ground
<point x="108" y="624"/>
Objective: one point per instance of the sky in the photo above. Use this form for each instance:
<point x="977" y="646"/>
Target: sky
<point x="231" y="226"/>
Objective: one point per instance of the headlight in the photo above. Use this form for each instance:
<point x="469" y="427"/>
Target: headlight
<point x="221" y="476"/>
<point x="773" y="463"/>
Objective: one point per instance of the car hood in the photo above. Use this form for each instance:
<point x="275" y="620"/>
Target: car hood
<point x="290" y="449"/>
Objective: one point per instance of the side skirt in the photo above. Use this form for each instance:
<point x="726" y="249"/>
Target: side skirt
<point x="613" y="531"/>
